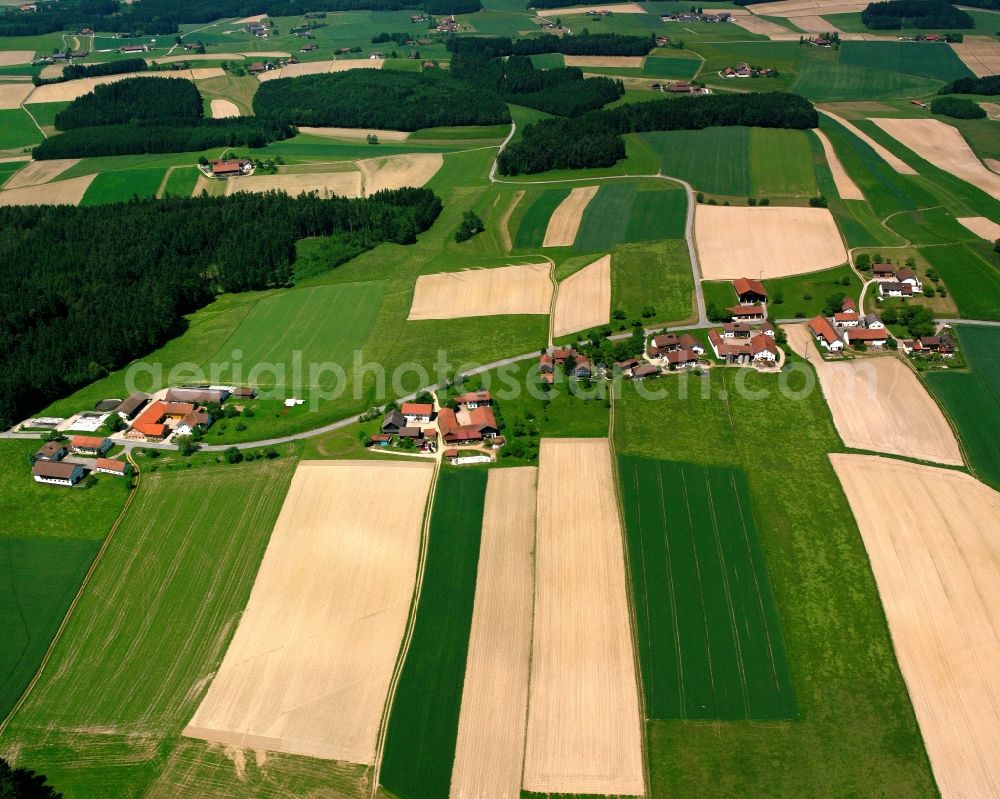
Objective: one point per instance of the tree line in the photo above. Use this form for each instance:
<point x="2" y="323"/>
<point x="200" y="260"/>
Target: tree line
<point x="989" y="84"/>
<point x="899" y="14"/>
<point x="75" y="71"/>
<point x="584" y="44"/>
<point x="368" y="98"/>
<point x="957" y="107"/>
<point x="86" y="290"/>
<point x="132" y="99"/>
<point x="595" y="139"/>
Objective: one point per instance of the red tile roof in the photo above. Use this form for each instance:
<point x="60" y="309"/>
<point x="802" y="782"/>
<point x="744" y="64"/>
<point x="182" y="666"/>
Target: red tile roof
<point x="746" y="310"/>
<point x="482" y="417"/>
<point x="820" y="326"/>
<point x="87" y="442"/>
<point x="745" y="284"/>
<point x="417" y="409"/>
<point x="866" y="334"/>
<point x="110" y="464"/>
<point x="847" y="316"/>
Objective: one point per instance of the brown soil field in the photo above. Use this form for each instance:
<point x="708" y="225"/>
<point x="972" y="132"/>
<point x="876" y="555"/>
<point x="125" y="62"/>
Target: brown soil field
<point x="565" y="220"/>
<point x="51" y="71"/>
<point x="993" y="164"/>
<point x="618" y="8"/>
<point x="204" y="73"/>
<point x="765" y="242"/>
<point x="981" y="226"/>
<point x="802" y="8"/>
<point x="943" y="146"/>
<point x="516" y="289"/>
<point x="935" y="554"/>
<point x="40" y="172"/>
<point x="10" y="58"/>
<point x="846" y="188"/>
<point x="898" y="164"/>
<point x="355" y="133"/>
<point x="635" y="62"/>
<point x="224" y="108"/>
<point x="584" y="299"/>
<point x="584" y="728"/>
<point x="247" y="20"/>
<point x="13" y="94"/>
<point x="981" y="56"/>
<point x="490" y="747"/>
<point x="63" y="192"/>
<point x="266" y="54"/>
<point x="765" y="27"/>
<point x="397" y="171"/>
<point x="878" y="404"/>
<point x="992" y="112"/>
<point x="309" y="667"/>
<point x="173" y="59"/>
<point x="71" y="89"/>
<point x="812" y="23"/>
<point x="320" y="67"/>
<point x="342" y="184"/>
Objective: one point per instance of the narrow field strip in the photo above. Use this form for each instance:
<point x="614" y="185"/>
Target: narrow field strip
<point x="981" y="226"/>
<point x="936" y="558"/>
<point x="565" y="221"/>
<point x="897" y="163"/>
<point x="584" y="730"/>
<point x="584" y="298"/>
<point x="491" y="727"/>
<point x="846" y="187"/>
<point x="309" y="667"/>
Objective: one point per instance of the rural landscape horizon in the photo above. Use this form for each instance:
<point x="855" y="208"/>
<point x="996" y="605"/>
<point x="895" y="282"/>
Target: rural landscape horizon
<point x="499" y="399"/>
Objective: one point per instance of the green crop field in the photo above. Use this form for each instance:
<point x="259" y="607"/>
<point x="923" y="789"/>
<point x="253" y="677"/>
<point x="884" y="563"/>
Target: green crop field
<point x="714" y="160"/>
<point x="855" y="727"/>
<point x="181" y="182"/>
<point x="45" y="113"/>
<point x="709" y="639"/>
<point x="622" y="212"/>
<point x="17" y="130"/>
<point x="531" y="230"/>
<point x="38" y="579"/>
<point x="657" y="275"/>
<point x="795" y="297"/>
<point x="926" y="59"/>
<point x="122" y="185"/>
<point x="314" y="325"/>
<point x="971" y="397"/>
<point x="781" y="163"/>
<point x="151" y="629"/>
<point x="972" y="275"/>
<point x="670" y="67"/>
<point x="9" y="168"/>
<point x="423" y="725"/>
<point x="826" y="81"/>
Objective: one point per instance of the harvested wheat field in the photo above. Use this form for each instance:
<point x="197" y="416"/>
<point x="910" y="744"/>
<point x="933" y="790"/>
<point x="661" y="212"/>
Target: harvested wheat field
<point x="342" y="184"/>
<point x="355" y="133"/>
<point x="248" y="20"/>
<point x="943" y="146"/>
<point x="565" y="220"/>
<point x="173" y="59"/>
<point x="52" y="71"/>
<point x="766" y="241"/>
<point x="764" y="27"/>
<point x="811" y="23"/>
<point x="516" y="289"/>
<point x="936" y="559"/>
<point x="13" y="94"/>
<point x="10" y="58"/>
<point x="878" y="404"/>
<point x="634" y="62"/>
<point x="71" y="89"/>
<point x="321" y="67"/>
<point x="584" y="299"/>
<point x="981" y="226"/>
<point x="584" y="731"/>
<point x="981" y="56"/>
<point x="801" y="8"/>
<point x="40" y="172"/>
<point x="617" y="8"/>
<point x="309" y="668"/>
<point x="992" y="112"/>
<point x="846" y="188"/>
<point x="397" y="171"/>
<point x="203" y="73"/>
<point x="63" y="192"/>
<point x="224" y="108"/>
<point x="897" y="163"/>
<point x="490" y="747"/>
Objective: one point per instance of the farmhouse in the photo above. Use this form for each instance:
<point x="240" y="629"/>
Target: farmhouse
<point x="736" y="330"/>
<point x="130" y="407"/>
<point x="111" y="466"/>
<point x="766" y="328"/>
<point x="662" y="344"/>
<point x="824" y="333"/>
<point x="759" y="349"/>
<point x="150" y="425"/>
<point x="244" y="393"/>
<point x="750" y="292"/>
<point x="883" y="272"/>
<point x="474" y="399"/>
<point x="678" y="359"/>
<point x="202" y="396"/>
<point x="417" y="411"/>
<point x="60" y="474"/>
<point x="909" y="278"/>
<point x="747" y="313"/>
<point x="89" y="445"/>
<point x="225" y="169"/>
<point x="393" y="423"/>
<point x="51" y="452"/>
<point x="192" y="421"/>
<point x="846" y="319"/>
<point x="867" y="336"/>
<point x="894" y="289"/>
<point x="645" y="370"/>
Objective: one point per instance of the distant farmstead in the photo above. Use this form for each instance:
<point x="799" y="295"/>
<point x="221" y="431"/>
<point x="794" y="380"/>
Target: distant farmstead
<point x="225" y="169"/>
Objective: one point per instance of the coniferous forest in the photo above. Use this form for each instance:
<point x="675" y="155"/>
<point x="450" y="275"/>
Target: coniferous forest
<point x="89" y="289"/>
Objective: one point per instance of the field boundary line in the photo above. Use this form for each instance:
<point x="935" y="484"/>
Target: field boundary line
<point x="411" y="623"/>
<point x="32" y="116"/>
<point x="83" y="586"/>
<point x="701" y="597"/>
<point x="534" y="605"/>
<point x="163" y="183"/>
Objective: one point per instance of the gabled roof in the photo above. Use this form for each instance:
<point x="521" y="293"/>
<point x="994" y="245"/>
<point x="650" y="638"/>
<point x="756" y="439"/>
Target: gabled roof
<point x="746" y="310"/>
<point x="110" y="464"/>
<point x="87" y="442"/>
<point x="394" y="418"/>
<point x="846" y="316"/>
<point x="49" y="449"/>
<point x="848" y="304"/>
<point x="761" y="343"/>
<point x="59" y="470"/>
<point x="417" y="409"/>
<point x="820" y="326"/>
<point x="482" y="417"/>
<point x="745" y="284"/>
<point x="866" y="334"/>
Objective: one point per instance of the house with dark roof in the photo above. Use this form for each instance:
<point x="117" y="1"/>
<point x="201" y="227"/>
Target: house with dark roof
<point x="644" y="371"/>
<point x="749" y="291"/>
<point x="130" y="407"/>
<point x="883" y="272"/>
<point x="895" y="289"/>
<point x="393" y="423"/>
<point x="679" y="359"/>
<point x="59" y="474"/>
<point x="51" y="451"/>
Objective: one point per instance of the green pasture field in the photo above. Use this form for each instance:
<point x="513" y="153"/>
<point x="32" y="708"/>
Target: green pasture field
<point x="30" y="509"/>
<point x="793" y="291"/>
<point x="150" y="631"/>
<point x="38" y="579"/>
<point x="181" y="182"/>
<point x="122" y="185"/>
<point x="972" y="275"/>
<point x="461" y="133"/>
<point x="824" y="81"/>
<point x="623" y="212"/>
<point x="45" y="113"/>
<point x="715" y="160"/>
<point x="981" y="134"/>
<point x="305" y="148"/>
<point x="9" y="168"/>
<point x="547" y="60"/>
<point x="531" y="230"/>
<point x="925" y="59"/>
<point x="855" y="726"/>
<point x="659" y="275"/>
<point x="17" y="130"/>
<point x="238" y="90"/>
<point x="321" y="323"/>
<point x="783" y="56"/>
<point x="423" y="725"/>
<point x="781" y="163"/>
<point x="709" y="638"/>
<point x="971" y="398"/>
